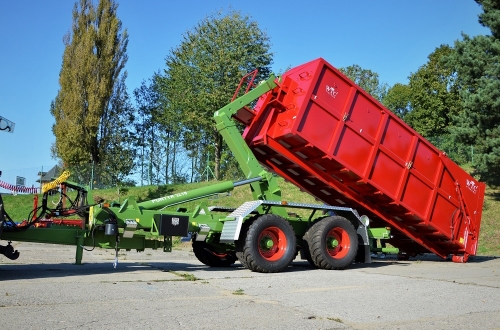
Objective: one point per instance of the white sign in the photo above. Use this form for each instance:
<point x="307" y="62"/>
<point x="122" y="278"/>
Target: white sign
<point x="20" y="181"/>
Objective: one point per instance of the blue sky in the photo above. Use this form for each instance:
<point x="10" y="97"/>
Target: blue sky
<point x="390" y="37"/>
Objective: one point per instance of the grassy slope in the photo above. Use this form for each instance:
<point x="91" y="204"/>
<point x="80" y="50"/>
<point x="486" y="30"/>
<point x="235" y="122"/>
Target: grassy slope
<point x="18" y="207"/>
<point x="489" y="236"/>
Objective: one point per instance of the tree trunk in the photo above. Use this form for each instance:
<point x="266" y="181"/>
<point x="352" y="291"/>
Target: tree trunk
<point x="193" y="167"/>
<point x="174" y="152"/>
<point x="94" y="150"/>
<point x="218" y="155"/>
<point x="151" y="158"/>
<point x="167" y="160"/>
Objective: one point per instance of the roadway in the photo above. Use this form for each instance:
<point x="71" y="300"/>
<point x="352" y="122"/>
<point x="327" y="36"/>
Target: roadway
<point x="43" y="289"/>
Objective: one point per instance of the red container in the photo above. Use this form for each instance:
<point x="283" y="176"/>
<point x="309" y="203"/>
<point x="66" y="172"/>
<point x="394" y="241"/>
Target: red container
<point x="322" y="132"/>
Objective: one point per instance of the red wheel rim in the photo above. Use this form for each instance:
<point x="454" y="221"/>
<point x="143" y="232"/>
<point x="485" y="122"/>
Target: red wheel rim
<point x="338" y="243"/>
<point x="272" y="243"/>
<point x="219" y="255"/>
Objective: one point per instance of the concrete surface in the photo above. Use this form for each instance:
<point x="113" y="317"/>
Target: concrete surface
<point x="43" y="289"/>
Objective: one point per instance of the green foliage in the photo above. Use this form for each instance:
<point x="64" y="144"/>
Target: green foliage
<point x="116" y="140"/>
<point x="366" y="79"/>
<point x="153" y="132"/>
<point x="430" y="101"/>
<point x="94" y="56"/>
<point x="148" y="131"/>
<point x="477" y="63"/>
<point x="398" y="100"/>
<point x="458" y="152"/>
<point x="202" y="73"/>
<point x="434" y="95"/>
<point x="491" y="16"/>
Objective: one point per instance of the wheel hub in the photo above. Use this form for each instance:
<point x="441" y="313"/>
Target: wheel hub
<point x="332" y="242"/>
<point x="266" y="243"/>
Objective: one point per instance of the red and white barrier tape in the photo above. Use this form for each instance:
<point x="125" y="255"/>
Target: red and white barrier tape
<point x="18" y="189"/>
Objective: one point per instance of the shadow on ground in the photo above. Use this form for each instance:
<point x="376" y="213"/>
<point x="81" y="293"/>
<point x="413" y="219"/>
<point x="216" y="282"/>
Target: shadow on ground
<point x="59" y="270"/>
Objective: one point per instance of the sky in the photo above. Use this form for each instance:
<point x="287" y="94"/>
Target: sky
<point x="390" y="37"/>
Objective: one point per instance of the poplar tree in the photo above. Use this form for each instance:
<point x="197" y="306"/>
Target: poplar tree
<point x="94" y="56"/>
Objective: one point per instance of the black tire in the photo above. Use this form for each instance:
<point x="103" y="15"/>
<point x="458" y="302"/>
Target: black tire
<point x="207" y="255"/>
<point x="306" y="254"/>
<point x="240" y="243"/>
<point x="270" y="244"/>
<point x="332" y="242"/>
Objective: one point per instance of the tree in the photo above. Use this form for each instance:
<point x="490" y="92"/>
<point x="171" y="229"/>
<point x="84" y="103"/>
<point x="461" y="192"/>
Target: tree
<point x="117" y="140"/>
<point x="94" y="56"/>
<point x="147" y="132"/>
<point x="158" y="132"/>
<point x="429" y="102"/>
<point x="434" y="94"/>
<point x="203" y="71"/>
<point x="367" y="80"/>
<point x="477" y="63"/>
<point x="170" y="120"/>
<point x="398" y="100"/>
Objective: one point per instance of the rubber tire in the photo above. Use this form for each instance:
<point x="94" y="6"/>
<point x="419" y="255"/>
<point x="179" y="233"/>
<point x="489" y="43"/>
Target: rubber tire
<point x="240" y="243"/>
<point x="317" y="241"/>
<point x="206" y="255"/>
<point x="251" y="255"/>
<point x="305" y="249"/>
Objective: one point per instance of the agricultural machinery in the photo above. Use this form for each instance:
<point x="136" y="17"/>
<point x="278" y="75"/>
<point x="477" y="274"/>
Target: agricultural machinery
<point x="373" y="175"/>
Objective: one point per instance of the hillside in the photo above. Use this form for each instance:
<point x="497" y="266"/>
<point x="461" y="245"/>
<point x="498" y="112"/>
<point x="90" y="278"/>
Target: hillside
<point x="19" y="207"/>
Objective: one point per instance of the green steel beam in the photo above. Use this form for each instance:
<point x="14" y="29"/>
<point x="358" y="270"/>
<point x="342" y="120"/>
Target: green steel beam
<point x="54" y="235"/>
<point x="379" y="233"/>
<point x="266" y="189"/>
<point x="382" y="234"/>
<point x="68" y="235"/>
<point x="182" y="197"/>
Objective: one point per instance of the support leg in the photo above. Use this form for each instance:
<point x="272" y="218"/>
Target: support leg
<point x="79" y="248"/>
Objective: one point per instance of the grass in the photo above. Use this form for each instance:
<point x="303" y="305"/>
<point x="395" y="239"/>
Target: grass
<point x="184" y="276"/>
<point x="489" y="235"/>
<point x="19" y="207"/>
<point x="239" y="292"/>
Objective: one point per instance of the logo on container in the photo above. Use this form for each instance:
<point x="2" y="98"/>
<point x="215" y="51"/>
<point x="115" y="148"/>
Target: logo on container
<point x="331" y="90"/>
<point x="471" y="185"/>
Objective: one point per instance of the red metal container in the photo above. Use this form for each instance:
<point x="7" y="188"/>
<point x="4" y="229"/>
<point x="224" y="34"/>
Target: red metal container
<point x="322" y="132"/>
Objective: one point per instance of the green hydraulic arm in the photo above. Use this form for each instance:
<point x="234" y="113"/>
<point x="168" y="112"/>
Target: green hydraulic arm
<point x="267" y="188"/>
<point x="186" y="196"/>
